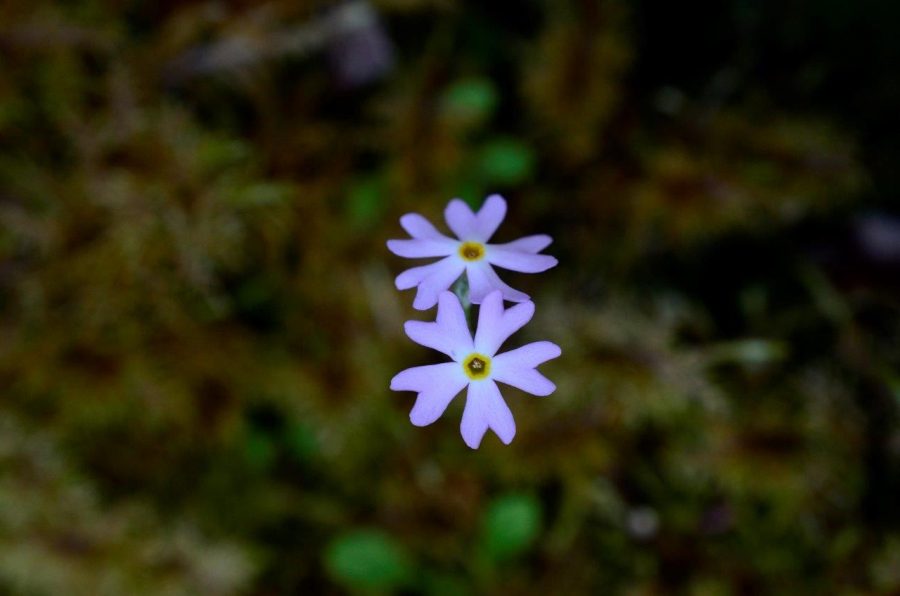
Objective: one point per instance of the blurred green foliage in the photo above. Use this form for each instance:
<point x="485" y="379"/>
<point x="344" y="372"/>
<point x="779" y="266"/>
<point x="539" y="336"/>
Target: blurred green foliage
<point x="367" y="560"/>
<point x="198" y="321"/>
<point x="511" y="524"/>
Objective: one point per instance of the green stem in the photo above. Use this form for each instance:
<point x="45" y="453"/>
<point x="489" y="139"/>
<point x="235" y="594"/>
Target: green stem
<point x="461" y="289"/>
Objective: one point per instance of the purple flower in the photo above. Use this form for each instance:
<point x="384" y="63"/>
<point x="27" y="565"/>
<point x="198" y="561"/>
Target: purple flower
<point x="476" y="364"/>
<point x="470" y="252"/>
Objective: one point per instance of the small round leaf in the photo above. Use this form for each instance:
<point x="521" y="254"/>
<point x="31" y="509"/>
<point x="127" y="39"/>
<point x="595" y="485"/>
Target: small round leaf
<point x="367" y="559"/>
<point x="512" y="523"/>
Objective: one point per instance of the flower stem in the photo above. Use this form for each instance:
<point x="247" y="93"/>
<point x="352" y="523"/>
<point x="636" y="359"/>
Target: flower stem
<point x="461" y="289"/>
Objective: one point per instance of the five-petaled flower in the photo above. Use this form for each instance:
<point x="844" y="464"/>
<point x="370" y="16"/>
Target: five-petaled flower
<point x="470" y="253"/>
<point x="476" y="364"/>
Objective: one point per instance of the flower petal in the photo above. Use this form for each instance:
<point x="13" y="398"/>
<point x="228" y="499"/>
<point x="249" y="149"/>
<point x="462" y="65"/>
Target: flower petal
<point x="436" y="384"/>
<point x="449" y="334"/>
<point x="528" y="380"/>
<point x="419" y="227"/>
<point x="495" y="325"/>
<point x="431" y="335"/>
<point x="421" y="378"/>
<point x="519" y="261"/>
<point x="485" y="408"/>
<point x="532" y="244"/>
<point x="452" y="319"/>
<point x="500" y="418"/>
<point x="474" y="423"/>
<point x="431" y="403"/>
<point x="414" y="276"/>
<point x="517" y="367"/>
<point x="437" y="281"/>
<point x="418" y="248"/>
<point x="528" y="356"/>
<point x="489" y="217"/>
<point x="483" y="280"/>
<point x="431" y="279"/>
<point x="460" y="219"/>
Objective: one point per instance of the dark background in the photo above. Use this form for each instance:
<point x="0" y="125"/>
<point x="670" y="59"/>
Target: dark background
<point x="198" y="322"/>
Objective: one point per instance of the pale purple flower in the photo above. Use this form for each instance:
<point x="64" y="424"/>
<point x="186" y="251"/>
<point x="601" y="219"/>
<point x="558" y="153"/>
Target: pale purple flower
<point x="476" y="364"/>
<point x="469" y="252"/>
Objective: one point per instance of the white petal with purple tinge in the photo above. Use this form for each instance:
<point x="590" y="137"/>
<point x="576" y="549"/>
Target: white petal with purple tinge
<point x="523" y="262"/>
<point x="460" y="219"/>
<point x="530" y="355"/>
<point x="495" y="325"/>
<point x="474" y="423"/>
<point x="531" y="244"/>
<point x="527" y="379"/>
<point x="489" y="217"/>
<point x="420" y="378"/>
<point x="437" y="281"/>
<point x="431" y="335"/>
<point x="485" y="408"/>
<point x="419" y="248"/>
<point x="445" y="383"/>
<point x="419" y="227"/>
<point x="452" y="319"/>
<point x="483" y="280"/>
<point x="414" y="276"/>
<point x="449" y="334"/>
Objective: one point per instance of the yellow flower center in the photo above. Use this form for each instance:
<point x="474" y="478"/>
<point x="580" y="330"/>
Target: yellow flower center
<point x="471" y="251"/>
<point x="477" y="366"/>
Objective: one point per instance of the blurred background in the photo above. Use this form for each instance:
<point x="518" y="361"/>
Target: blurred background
<point x="198" y="322"/>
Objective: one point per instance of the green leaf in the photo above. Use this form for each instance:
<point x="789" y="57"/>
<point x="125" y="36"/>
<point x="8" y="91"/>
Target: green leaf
<point x="301" y="442"/>
<point x="367" y="559"/>
<point x="511" y="525"/>
<point x="506" y="161"/>
<point x="469" y="102"/>
<point x="215" y="153"/>
<point x="445" y="584"/>
<point x="259" y="450"/>
<point x="365" y="203"/>
<point x="262" y="194"/>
